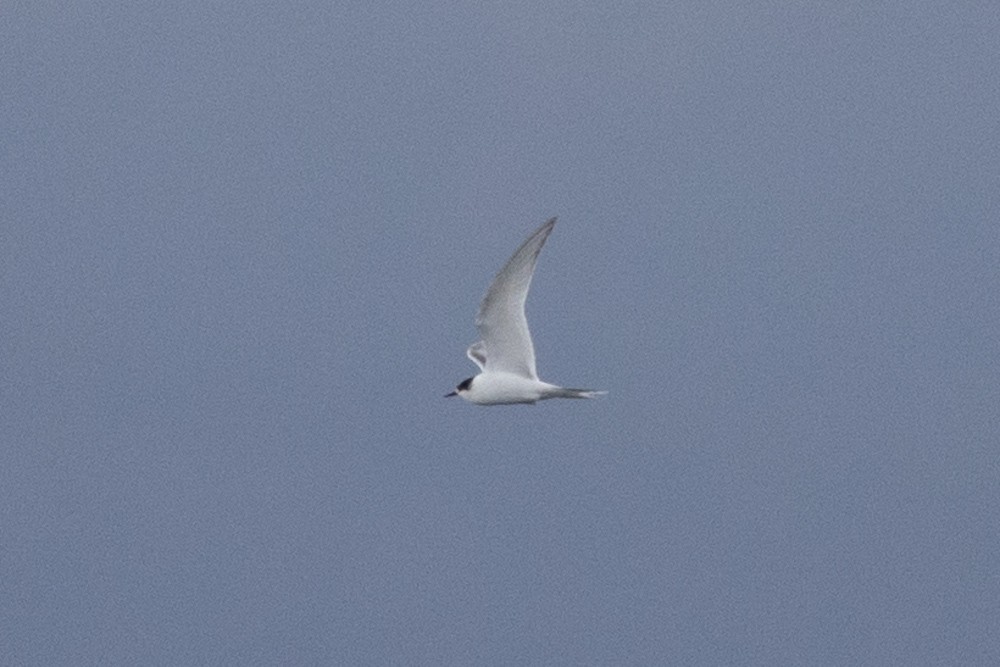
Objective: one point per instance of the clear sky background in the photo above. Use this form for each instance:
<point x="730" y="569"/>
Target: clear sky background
<point x="242" y="248"/>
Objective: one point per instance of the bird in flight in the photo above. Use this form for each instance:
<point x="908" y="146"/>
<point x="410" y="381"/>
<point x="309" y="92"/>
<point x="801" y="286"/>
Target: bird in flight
<point x="504" y="352"/>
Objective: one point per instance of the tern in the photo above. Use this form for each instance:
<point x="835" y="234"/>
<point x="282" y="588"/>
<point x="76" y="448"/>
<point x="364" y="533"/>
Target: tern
<point x="504" y="353"/>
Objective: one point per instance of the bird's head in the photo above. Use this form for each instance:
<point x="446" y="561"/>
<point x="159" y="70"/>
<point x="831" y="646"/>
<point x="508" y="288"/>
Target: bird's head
<point x="462" y="387"/>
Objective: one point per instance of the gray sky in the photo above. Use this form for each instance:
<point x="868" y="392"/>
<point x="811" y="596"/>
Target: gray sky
<point x="241" y="253"/>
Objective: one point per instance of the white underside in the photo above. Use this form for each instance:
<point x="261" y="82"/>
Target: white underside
<point x="498" y="388"/>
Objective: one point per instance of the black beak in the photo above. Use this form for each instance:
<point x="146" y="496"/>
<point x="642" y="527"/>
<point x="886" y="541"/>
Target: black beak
<point x="454" y="393"/>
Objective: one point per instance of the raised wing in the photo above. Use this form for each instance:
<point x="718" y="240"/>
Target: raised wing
<point x="502" y="325"/>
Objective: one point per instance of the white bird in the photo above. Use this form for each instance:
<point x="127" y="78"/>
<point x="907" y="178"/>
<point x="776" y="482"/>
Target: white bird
<point x="505" y="353"/>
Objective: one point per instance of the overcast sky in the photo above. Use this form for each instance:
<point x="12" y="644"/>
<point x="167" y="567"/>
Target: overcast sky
<point x="241" y="250"/>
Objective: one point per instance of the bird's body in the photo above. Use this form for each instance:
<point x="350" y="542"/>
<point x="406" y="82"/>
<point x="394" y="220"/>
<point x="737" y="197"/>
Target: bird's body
<point x="505" y="353"/>
<point x="509" y="388"/>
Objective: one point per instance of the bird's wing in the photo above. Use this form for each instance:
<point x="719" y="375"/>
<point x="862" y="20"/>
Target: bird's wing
<point x="501" y="321"/>
<point x="477" y="352"/>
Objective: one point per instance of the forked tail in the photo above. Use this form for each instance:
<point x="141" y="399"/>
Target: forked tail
<point x="566" y="392"/>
